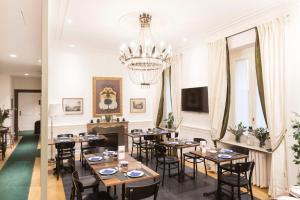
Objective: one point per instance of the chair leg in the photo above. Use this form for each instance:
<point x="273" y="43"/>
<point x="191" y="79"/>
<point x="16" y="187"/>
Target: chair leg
<point x="57" y="169"/>
<point x="232" y="192"/>
<point x="156" y="166"/>
<point x="169" y="165"/>
<point x="131" y="149"/>
<point x="164" y="169"/>
<point x="178" y="171"/>
<point x="194" y="168"/>
<point x="72" y="197"/>
<point x="251" y="193"/>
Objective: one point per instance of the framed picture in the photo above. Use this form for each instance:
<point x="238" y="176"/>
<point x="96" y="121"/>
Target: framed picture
<point x="138" y="105"/>
<point x="72" y="106"/>
<point x="107" y="96"/>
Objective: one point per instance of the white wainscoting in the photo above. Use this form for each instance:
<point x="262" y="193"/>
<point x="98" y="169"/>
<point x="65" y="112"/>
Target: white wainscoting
<point x="188" y="131"/>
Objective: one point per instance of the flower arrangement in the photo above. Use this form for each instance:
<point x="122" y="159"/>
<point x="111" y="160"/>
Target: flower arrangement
<point x="262" y="134"/>
<point x="4" y="114"/>
<point x="238" y="131"/>
<point x="296" y="136"/>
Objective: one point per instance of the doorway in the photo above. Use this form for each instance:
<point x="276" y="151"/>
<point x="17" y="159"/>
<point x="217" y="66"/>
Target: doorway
<point x="27" y="110"/>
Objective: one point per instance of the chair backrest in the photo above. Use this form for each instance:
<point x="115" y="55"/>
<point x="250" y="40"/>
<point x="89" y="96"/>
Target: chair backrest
<point x="96" y="142"/>
<point x="239" y="149"/>
<point x="142" y="192"/>
<point x="65" y="148"/>
<point x="244" y="167"/>
<point x="82" y="134"/>
<point x="160" y="151"/>
<point x="199" y="140"/>
<point x="77" y="185"/>
<point x="69" y="135"/>
<point x="150" y="137"/>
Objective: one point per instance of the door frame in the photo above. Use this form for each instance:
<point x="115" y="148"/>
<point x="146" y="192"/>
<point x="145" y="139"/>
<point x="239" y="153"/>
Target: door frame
<point x="16" y="106"/>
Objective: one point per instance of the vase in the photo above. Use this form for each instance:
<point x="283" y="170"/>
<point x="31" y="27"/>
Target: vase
<point x="237" y="138"/>
<point x="170" y="125"/>
<point x="261" y="143"/>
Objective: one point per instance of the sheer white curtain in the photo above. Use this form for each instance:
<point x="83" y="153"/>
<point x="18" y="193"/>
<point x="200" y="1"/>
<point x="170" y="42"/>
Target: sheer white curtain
<point x="217" y="85"/>
<point x="176" y="65"/>
<point x="272" y="45"/>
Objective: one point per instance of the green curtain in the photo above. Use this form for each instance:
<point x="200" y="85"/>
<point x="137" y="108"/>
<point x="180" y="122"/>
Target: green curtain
<point x="160" y="112"/>
<point x="227" y="103"/>
<point x="259" y="75"/>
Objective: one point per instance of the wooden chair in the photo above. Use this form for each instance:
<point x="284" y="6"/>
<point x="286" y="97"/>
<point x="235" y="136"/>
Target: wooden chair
<point x="68" y="135"/>
<point x="236" y="178"/>
<point x="192" y="158"/>
<point x="65" y="151"/>
<point x="148" y="146"/>
<point x="84" y="146"/>
<point x="136" y="142"/>
<point x="79" y="189"/>
<point x="142" y="192"/>
<point x="87" y="182"/>
<point x="162" y="160"/>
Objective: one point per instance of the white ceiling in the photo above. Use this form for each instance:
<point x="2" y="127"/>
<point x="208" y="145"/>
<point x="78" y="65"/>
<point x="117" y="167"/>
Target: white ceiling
<point x="106" y="24"/>
<point x="20" y="34"/>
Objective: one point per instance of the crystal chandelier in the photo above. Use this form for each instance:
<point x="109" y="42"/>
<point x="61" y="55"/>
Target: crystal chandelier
<point x="144" y="59"/>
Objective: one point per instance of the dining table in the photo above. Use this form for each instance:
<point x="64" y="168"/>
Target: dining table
<point x="121" y="176"/>
<point x="140" y="134"/>
<point x="76" y="139"/>
<point x="216" y="157"/>
<point x="180" y="145"/>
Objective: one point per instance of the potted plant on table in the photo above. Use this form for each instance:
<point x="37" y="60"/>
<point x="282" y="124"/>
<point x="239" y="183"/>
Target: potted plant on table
<point x="262" y="134"/>
<point x="108" y="118"/>
<point x="170" y="120"/>
<point x="296" y="146"/>
<point x="4" y="114"/>
<point x="238" y="131"/>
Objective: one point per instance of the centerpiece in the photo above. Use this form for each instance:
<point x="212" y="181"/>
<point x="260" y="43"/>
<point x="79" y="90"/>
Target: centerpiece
<point x="238" y="131"/>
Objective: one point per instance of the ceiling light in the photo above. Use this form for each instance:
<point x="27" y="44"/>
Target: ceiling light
<point x="145" y="60"/>
<point x="13" y="55"/>
<point x="26" y="74"/>
<point x="72" y="45"/>
<point x="69" y="21"/>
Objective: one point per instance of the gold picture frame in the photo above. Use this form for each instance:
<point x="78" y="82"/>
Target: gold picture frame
<point x="107" y="96"/>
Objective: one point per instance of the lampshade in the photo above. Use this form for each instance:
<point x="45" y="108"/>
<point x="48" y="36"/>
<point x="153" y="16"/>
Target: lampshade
<point x="55" y="110"/>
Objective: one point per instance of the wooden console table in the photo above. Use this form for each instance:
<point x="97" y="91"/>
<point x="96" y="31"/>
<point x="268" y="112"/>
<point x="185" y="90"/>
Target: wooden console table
<point x="121" y="128"/>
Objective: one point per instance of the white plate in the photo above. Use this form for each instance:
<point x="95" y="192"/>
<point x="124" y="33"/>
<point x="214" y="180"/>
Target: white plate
<point x="226" y="151"/>
<point x="224" y="156"/>
<point x="173" y="142"/>
<point x="108" y="171"/>
<point x="95" y="158"/>
<point x="135" y="174"/>
<point x="109" y="153"/>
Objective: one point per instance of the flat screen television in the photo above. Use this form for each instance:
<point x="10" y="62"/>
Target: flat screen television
<point x="194" y="99"/>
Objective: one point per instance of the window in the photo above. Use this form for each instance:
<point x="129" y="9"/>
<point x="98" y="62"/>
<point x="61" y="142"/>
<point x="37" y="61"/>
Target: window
<point x="246" y="105"/>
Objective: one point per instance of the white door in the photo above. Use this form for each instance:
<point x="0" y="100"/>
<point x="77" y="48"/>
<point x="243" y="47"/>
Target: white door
<point x="29" y="110"/>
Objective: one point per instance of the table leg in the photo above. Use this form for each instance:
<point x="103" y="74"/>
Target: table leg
<point x="123" y="191"/>
<point x="140" y="149"/>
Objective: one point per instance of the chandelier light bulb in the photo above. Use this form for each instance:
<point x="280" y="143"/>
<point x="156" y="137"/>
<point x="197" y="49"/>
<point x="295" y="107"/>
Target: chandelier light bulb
<point x="123" y="47"/>
<point x="162" y="43"/>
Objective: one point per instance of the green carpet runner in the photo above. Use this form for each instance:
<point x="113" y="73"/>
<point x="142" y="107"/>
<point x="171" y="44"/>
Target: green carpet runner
<point x="15" y="176"/>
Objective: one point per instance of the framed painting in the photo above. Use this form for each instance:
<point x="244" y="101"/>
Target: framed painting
<point x="138" y="105"/>
<point x="107" y="96"/>
<point x="72" y="106"/>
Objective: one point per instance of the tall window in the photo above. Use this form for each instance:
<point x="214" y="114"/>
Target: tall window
<point x="246" y="102"/>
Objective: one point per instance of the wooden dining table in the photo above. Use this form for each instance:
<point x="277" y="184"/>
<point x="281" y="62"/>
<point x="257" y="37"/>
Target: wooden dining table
<point x="180" y="145"/>
<point x="213" y="156"/>
<point x="75" y="139"/>
<point x="119" y="178"/>
<point x="140" y="134"/>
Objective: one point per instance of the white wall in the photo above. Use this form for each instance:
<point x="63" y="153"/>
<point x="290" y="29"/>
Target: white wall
<point x="70" y="75"/>
<point x="27" y="83"/>
<point x="292" y="85"/>
<point x="195" y="74"/>
<point x="6" y="95"/>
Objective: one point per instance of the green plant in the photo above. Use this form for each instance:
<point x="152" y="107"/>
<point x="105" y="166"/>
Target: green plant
<point x="4" y="114"/>
<point x="262" y="134"/>
<point x="108" y="118"/>
<point x="170" y="120"/>
<point x="296" y="136"/>
<point x="238" y="131"/>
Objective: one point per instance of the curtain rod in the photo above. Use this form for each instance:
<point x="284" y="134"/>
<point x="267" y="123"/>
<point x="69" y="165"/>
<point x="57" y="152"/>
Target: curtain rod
<point x="240" y="32"/>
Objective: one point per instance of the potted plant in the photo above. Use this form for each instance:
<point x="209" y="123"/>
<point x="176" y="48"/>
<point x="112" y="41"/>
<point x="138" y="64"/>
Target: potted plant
<point x="238" y="131"/>
<point x="296" y="136"/>
<point x="107" y="118"/>
<point x="4" y="114"/>
<point x="170" y="120"/>
<point x="262" y="134"/>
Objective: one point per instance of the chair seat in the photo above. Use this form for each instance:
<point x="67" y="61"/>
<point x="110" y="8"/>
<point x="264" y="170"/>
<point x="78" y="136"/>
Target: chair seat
<point x="88" y="181"/>
<point x="228" y="167"/>
<point x="96" y="196"/>
<point x="65" y="156"/>
<point x="232" y="179"/>
<point x="169" y="160"/>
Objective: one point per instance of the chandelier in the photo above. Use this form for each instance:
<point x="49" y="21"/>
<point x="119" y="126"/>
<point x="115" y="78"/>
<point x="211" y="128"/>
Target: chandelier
<point x="144" y="59"/>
